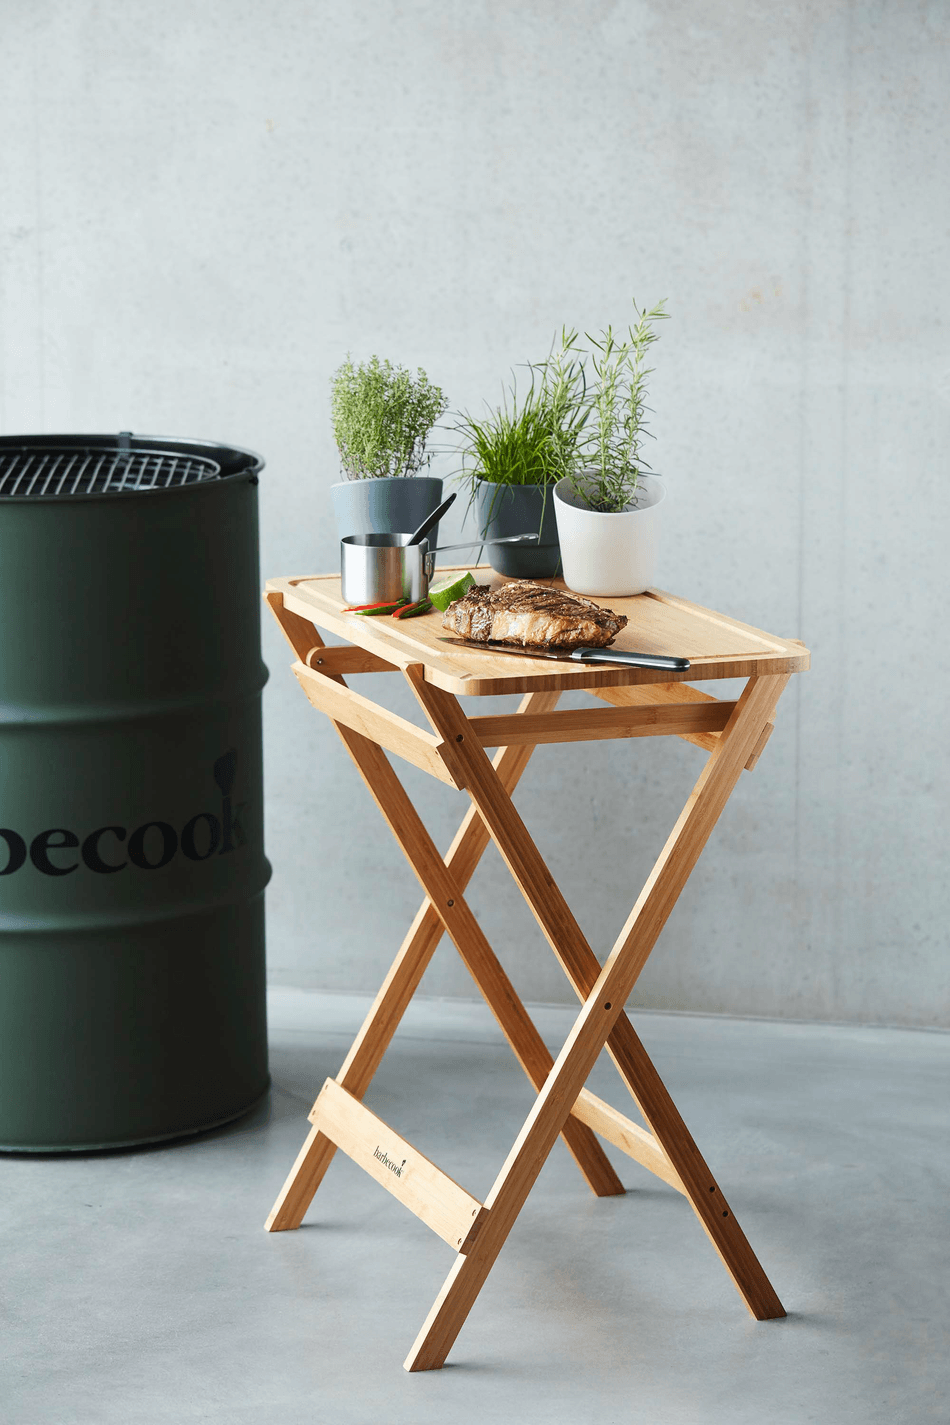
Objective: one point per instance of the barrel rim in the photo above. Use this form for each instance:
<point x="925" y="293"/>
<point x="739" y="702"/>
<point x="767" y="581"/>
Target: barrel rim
<point x="235" y="461"/>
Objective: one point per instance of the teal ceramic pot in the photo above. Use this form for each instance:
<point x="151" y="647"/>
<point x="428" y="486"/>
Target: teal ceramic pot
<point x="502" y="510"/>
<point x="396" y="505"/>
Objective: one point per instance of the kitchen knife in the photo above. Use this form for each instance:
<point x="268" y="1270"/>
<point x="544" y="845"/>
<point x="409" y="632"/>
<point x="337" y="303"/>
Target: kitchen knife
<point x="579" y="655"/>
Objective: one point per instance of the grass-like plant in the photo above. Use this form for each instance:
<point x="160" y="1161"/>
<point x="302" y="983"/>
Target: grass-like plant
<point x="608" y="463"/>
<point x="382" y="417"/>
<point x="529" y="439"/>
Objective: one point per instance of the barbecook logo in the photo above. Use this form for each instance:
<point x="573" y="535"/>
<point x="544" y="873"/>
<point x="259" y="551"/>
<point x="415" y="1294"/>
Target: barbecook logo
<point x="149" y="847"/>
<point x="388" y="1162"/>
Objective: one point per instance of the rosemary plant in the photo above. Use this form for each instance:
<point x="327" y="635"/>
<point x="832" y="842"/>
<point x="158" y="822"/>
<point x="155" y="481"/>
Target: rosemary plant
<point x="608" y="463"/>
<point x="382" y="417"/>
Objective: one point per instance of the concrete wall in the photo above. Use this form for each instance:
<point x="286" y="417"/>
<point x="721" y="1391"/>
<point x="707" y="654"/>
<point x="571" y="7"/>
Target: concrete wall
<point x="203" y="208"/>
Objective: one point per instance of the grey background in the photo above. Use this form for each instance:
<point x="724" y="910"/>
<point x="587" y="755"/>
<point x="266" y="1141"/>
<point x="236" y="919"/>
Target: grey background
<point x="203" y="208"/>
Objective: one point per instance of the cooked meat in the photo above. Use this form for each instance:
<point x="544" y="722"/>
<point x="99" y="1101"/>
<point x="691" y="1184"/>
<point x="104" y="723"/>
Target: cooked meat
<point x="532" y="615"/>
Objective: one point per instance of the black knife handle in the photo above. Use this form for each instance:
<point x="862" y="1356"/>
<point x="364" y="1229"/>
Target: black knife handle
<point x="632" y="660"/>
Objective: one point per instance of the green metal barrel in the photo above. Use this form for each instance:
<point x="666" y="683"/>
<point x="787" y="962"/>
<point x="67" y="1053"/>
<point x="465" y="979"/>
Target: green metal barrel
<point x="132" y="867"/>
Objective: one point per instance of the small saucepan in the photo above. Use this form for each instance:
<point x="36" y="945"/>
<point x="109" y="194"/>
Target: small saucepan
<point x="378" y="568"/>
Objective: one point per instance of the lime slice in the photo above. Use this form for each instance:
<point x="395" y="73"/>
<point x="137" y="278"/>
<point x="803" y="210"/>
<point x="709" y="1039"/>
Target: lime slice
<point x="449" y="590"/>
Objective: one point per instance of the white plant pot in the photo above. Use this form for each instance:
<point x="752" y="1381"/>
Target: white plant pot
<point x="609" y="554"/>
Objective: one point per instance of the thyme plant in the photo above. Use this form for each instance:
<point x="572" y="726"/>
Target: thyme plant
<point x="382" y="417"/>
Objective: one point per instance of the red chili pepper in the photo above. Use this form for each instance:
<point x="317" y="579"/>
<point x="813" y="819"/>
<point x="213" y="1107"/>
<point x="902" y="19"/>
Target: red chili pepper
<point x="422" y="606"/>
<point x="387" y="607"/>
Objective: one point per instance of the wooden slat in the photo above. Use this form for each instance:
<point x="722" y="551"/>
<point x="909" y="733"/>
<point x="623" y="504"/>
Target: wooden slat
<point x="596" y="724"/>
<point x="378" y="724"/>
<point x="759" y="747"/>
<point x="626" y="1135"/>
<point x="640" y="696"/>
<point x="345" y="659"/>
<point x="649" y="694"/>
<point x="397" y="1166"/>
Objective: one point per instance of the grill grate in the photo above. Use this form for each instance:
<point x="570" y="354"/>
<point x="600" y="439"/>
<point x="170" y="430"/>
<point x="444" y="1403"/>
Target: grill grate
<point x="95" y="471"/>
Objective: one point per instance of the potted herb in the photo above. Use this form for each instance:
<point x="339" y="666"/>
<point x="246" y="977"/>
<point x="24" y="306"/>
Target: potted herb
<point x="382" y="418"/>
<point x="514" y="456"/>
<point x="607" y="503"/>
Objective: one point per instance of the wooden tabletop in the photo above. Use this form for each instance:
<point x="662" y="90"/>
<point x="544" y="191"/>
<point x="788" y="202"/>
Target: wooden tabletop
<point x="657" y="622"/>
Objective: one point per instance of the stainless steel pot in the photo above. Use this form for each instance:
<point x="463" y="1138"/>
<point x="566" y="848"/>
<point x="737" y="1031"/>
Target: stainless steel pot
<point x="384" y="567"/>
<point x="381" y="568"/>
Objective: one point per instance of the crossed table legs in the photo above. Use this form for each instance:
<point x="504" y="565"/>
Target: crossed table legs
<point x="564" y="1107"/>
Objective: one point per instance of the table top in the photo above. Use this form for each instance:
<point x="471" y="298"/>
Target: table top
<point x="657" y="622"/>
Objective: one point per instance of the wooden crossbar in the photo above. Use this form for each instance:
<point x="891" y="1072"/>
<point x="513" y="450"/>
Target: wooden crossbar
<point x="653" y="694"/>
<point x="397" y="1166"/>
<point x="658" y="694"/>
<point x="346" y="659"/>
<point x="596" y="724"/>
<point x="626" y="1135"/>
<point x="388" y="729"/>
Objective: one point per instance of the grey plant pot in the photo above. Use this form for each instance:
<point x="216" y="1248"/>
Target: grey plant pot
<point x="501" y="510"/>
<point x="396" y="505"/>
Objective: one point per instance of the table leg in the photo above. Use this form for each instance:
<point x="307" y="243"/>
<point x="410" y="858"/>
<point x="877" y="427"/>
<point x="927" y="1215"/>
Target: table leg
<point x="445" y="896"/>
<point x="631" y="951"/>
<point x="521" y="1168"/>
<point x="414" y="955"/>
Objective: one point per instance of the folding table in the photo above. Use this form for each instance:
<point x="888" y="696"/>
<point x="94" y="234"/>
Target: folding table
<point x="629" y="702"/>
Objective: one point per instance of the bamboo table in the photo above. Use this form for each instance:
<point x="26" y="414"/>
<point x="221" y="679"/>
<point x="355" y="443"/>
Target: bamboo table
<point x="639" y="703"/>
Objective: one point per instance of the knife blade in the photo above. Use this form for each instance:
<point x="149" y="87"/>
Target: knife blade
<point x="578" y="655"/>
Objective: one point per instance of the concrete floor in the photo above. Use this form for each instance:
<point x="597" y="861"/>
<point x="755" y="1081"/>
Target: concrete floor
<point x="138" y="1287"/>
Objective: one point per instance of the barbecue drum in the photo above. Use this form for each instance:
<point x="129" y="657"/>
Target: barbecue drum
<point x="132" y="869"/>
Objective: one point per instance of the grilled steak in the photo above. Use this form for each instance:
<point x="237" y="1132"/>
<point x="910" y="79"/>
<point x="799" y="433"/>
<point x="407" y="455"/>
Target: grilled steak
<point x="532" y="615"/>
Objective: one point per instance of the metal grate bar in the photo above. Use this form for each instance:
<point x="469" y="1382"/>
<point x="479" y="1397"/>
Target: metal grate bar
<point x="93" y="479"/>
<point x="77" y="476"/>
<point x="36" y="475"/>
<point x="57" y="461"/>
<point x="23" y="473"/>
<point x="17" y="475"/>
